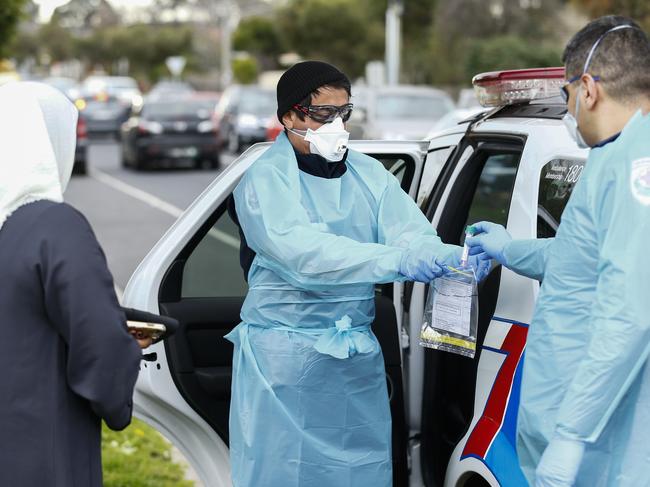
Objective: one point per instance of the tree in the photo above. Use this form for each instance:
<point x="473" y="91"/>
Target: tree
<point x="11" y="12"/>
<point x="244" y="70"/>
<point x="84" y="16"/>
<point x="639" y="10"/>
<point x="336" y="31"/>
<point x="260" y="37"/>
<point x="508" y="52"/>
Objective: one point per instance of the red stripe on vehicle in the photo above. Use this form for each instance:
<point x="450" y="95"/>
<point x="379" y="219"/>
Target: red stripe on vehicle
<point x="490" y="422"/>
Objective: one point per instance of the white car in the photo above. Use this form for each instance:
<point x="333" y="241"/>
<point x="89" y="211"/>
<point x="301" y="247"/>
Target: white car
<point x="454" y="418"/>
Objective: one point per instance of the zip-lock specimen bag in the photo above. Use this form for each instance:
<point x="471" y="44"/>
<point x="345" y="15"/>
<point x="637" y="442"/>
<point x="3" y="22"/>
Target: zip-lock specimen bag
<point x="451" y="312"/>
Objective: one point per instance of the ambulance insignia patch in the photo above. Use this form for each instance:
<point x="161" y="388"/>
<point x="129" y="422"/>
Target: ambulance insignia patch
<point x="640" y="180"/>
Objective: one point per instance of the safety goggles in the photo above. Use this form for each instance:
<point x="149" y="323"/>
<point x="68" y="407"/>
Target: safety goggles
<point x="326" y="113"/>
<point x="564" y="89"/>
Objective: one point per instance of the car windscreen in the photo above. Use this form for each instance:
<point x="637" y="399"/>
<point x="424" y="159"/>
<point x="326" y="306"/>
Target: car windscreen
<point x="398" y="106"/>
<point x="179" y="108"/>
<point x="260" y="103"/>
<point x="94" y="85"/>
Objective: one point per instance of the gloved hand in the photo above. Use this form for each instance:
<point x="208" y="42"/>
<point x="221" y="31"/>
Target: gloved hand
<point x="560" y="463"/>
<point x="481" y="263"/>
<point x="420" y="265"/>
<point x="490" y="240"/>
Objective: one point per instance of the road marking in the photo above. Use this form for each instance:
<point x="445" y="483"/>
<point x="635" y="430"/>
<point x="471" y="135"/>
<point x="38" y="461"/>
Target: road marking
<point x="157" y="203"/>
<point x="136" y="193"/>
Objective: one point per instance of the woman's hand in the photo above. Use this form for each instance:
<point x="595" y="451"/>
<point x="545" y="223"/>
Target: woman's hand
<point x="142" y="337"/>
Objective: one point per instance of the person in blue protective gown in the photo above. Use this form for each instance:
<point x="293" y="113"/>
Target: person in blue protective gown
<point x="321" y="225"/>
<point x="585" y="401"/>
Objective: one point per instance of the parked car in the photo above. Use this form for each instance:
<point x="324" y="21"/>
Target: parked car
<point x="175" y="131"/>
<point x="124" y="88"/>
<point x="167" y="88"/>
<point x="68" y="86"/>
<point x="397" y="112"/>
<point x="243" y="114"/>
<point x="81" y="149"/>
<point x="104" y="113"/>
<point x="273" y="129"/>
<point x="454" y="418"/>
<point x="454" y="117"/>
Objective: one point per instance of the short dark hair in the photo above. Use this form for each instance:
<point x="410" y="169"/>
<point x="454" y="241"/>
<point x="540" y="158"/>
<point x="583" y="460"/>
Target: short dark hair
<point x="622" y="59"/>
<point x="336" y="85"/>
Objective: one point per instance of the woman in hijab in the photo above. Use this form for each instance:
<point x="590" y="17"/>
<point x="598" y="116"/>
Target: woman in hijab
<point x="66" y="357"/>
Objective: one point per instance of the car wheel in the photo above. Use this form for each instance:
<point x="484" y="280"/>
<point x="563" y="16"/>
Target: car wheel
<point x="125" y="159"/>
<point x="80" y="168"/>
<point x="207" y="163"/>
<point x="234" y="145"/>
<point x="139" y="164"/>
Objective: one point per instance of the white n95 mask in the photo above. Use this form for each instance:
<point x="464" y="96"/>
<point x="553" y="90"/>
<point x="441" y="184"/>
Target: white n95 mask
<point x="330" y="140"/>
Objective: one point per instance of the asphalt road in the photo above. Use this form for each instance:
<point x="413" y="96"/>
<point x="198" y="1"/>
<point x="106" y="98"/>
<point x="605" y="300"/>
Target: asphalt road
<point x="129" y="210"/>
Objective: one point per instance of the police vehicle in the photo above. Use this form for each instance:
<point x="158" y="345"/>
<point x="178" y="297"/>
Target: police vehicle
<point x="454" y="418"/>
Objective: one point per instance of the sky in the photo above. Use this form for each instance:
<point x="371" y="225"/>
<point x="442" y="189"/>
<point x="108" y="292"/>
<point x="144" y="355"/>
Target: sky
<point x="48" y="6"/>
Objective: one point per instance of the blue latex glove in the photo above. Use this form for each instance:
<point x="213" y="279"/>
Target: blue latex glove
<point x="481" y="263"/>
<point x="420" y="265"/>
<point x="560" y="463"/>
<point x="490" y="240"/>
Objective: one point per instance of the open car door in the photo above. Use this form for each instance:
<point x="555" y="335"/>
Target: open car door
<point x="193" y="274"/>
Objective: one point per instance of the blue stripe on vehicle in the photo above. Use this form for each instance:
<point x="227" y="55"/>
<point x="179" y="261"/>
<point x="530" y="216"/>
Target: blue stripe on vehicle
<point x="506" y="320"/>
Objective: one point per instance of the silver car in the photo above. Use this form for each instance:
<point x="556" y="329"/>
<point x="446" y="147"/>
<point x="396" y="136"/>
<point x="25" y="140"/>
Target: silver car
<point x="396" y="112"/>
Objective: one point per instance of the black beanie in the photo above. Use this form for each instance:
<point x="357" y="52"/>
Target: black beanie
<point x="303" y="78"/>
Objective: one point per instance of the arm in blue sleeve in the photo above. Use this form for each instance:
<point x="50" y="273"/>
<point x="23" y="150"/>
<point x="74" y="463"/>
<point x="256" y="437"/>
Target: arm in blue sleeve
<point x="528" y="257"/>
<point x="278" y="229"/>
<point x="620" y="341"/>
<point x="402" y="224"/>
<point x="102" y="359"/>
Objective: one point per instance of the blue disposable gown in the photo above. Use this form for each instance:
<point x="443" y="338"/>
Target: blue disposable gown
<point x="309" y="403"/>
<point x="585" y="373"/>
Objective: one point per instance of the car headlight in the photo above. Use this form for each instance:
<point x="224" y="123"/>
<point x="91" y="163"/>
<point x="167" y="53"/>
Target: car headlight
<point x="151" y="127"/>
<point x="205" y="126"/>
<point x="247" y="121"/>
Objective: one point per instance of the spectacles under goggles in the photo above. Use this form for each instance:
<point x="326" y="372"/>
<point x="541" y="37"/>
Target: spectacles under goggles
<point x="564" y="91"/>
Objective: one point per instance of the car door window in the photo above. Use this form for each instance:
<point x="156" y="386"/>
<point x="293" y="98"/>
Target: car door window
<point x="491" y="200"/>
<point x="432" y="167"/>
<point x="212" y="268"/>
<point x="557" y="180"/>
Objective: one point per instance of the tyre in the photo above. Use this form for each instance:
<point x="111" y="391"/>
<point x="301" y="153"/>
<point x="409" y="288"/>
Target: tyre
<point x="234" y="145"/>
<point x="80" y="168"/>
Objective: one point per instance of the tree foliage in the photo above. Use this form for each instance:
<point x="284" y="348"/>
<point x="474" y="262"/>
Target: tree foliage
<point x="337" y="31"/>
<point x="244" y="70"/>
<point x="639" y="10"/>
<point x="260" y="37"/>
<point x="10" y="14"/>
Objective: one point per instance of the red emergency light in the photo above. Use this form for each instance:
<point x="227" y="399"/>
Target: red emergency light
<point x="500" y="88"/>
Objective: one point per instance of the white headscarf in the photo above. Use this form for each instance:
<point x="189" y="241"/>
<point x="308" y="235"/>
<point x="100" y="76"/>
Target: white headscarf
<point x="38" y="134"/>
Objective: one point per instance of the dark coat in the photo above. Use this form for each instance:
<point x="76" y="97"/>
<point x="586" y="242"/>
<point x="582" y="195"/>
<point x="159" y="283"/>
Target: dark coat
<point x="66" y="357"/>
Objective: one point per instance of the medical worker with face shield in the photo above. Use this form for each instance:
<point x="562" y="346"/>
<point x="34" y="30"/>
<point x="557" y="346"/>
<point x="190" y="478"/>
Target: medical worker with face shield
<point x="584" y="416"/>
<point x="321" y="224"/>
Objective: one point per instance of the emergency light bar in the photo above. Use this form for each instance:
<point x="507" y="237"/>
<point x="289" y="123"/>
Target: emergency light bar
<point x="500" y="88"/>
